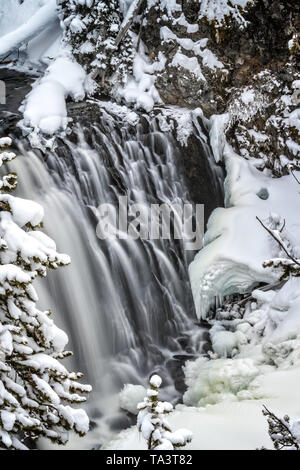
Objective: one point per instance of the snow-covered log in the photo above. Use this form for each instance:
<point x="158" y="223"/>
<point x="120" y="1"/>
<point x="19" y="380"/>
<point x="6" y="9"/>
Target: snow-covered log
<point x="41" y="20"/>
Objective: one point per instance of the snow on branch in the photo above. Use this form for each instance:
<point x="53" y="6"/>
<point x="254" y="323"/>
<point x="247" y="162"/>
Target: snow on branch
<point x="290" y="265"/>
<point x="151" y="421"/>
<point x="36" y="390"/>
<point x="282" y="433"/>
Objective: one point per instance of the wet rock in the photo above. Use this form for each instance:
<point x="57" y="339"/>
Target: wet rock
<point x="175" y="367"/>
<point x="244" y="52"/>
<point x="17" y="85"/>
<point x="121" y="421"/>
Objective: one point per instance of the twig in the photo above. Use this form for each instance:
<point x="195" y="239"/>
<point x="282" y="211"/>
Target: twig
<point x="278" y="241"/>
<point x="292" y="171"/>
<point x="283" y="225"/>
<point x="10" y="53"/>
<point x="284" y="425"/>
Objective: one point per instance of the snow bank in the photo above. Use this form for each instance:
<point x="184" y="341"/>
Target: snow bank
<point x="215" y="381"/>
<point x="235" y="245"/>
<point x="237" y="425"/>
<point x="35" y="33"/>
<point x="45" y="106"/>
<point x="21" y="13"/>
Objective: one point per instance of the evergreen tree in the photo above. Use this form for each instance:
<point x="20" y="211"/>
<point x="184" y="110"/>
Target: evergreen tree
<point x="36" y="390"/>
<point x="153" y="425"/>
<point x="91" y="28"/>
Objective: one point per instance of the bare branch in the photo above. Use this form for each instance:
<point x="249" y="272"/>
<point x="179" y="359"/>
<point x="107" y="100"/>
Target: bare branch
<point x="292" y="171"/>
<point x="278" y="241"/>
<point x="283" y="225"/>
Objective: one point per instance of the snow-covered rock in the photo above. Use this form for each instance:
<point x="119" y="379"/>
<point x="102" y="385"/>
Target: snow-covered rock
<point x="235" y="245"/>
<point x="45" y="106"/>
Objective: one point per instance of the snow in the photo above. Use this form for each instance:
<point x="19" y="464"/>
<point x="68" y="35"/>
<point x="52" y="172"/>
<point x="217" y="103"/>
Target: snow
<point x="225" y="342"/>
<point x="248" y="96"/>
<point x="140" y="89"/>
<point x="217" y="10"/>
<point x="55" y="337"/>
<point x="24" y="211"/>
<point x="198" y="49"/>
<point x="215" y="381"/>
<point x="13" y="273"/>
<point x="189" y="63"/>
<point x="6" y="345"/>
<point x="5" y="142"/>
<point x="125" y="5"/>
<point x="190" y="28"/>
<point x="8" y="420"/>
<point x="182" y="121"/>
<point x="44" y="13"/>
<point x="293" y="146"/>
<point x="156" y="381"/>
<point x="130" y="396"/>
<point x="37" y="28"/>
<point x="129" y="12"/>
<point x="77" y="418"/>
<point x="43" y="362"/>
<point x="170" y="5"/>
<point x="152" y="424"/>
<point x="42" y="49"/>
<point x="218" y="123"/>
<point x="224" y="266"/>
<point x="45" y="106"/>
<point x="45" y="389"/>
<point x="237" y="425"/>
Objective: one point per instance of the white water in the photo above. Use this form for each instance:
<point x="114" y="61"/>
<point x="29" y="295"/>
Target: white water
<point x="123" y="303"/>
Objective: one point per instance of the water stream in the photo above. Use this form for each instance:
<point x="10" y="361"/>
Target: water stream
<point x="126" y="304"/>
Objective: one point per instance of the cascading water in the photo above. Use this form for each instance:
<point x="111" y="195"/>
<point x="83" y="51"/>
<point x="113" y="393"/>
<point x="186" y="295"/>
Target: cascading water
<point x="126" y="304"/>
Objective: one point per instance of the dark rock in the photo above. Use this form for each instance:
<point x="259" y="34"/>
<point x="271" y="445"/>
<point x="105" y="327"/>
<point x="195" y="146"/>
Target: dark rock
<point x="175" y="367"/>
<point x="261" y="45"/>
<point x="120" y="421"/>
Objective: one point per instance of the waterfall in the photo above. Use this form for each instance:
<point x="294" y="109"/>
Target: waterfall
<point x="126" y="304"/>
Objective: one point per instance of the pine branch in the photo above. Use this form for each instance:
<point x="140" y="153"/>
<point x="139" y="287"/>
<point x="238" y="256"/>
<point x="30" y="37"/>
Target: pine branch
<point x="280" y="431"/>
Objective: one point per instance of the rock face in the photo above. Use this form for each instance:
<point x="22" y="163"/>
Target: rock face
<point x="243" y="49"/>
<point x="17" y="86"/>
<point x="222" y="58"/>
<point x="249" y="68"/>
<point x="265" y="120"/>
